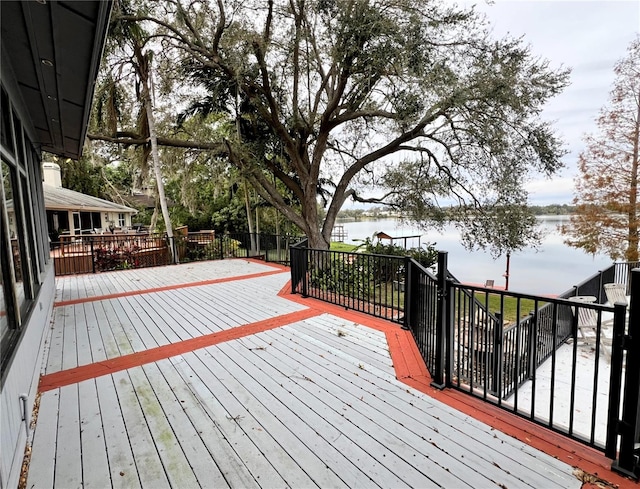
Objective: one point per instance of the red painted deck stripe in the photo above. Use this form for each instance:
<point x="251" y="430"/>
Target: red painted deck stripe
<point x="278" y="266"/>
<point x="86" y="372"/>
<point x="411" y="369"/>
<point x="163" y="289"/>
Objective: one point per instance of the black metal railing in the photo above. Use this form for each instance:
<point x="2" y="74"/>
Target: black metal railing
<point x="548" y="359"/>
<point x="622" y="273"/>
<point x="625" y="398"/>
<point x="96" y="253"/>
<point x="374" y="284"/>
<point x="422" y="314"/>
<point x="619" y="273"/>
<point x="501" y="363"/>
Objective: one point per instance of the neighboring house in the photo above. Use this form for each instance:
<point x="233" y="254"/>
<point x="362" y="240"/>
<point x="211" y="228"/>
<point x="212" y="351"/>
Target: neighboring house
<point x="49" y="57"/>
<point x="74" y="213"/>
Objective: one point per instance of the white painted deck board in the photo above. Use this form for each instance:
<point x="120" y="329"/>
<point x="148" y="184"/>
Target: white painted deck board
<point x="53" y="360"/>
<point x="157" y="330"/>
<point x="183" y="320"/>
<point x="174" y="461"/>
<point x="297" y="406"/>
<point x="93" y="325"/>
<point x="235" y="472"/>
<point x="344" y="336"/>
<point x="89" y="285"/>
<point x="69" y="473"/>
<point x="148" y="465"/>
<point x="95" y="464"/>
<point x="43" y="447"/>
<point x="290" y="444"/>
<point x="127" y="339"/>
<point x="69" y="341"/>
<point x="390" y="442"/>
<point x="125" y="325"/>
<point x="366" y="450"/>
<point x="386" y="388"/>
<point x="122" y="465"/>
<point x="82" y="339"/>
<point x="207" y="387"/>
<point x="415" y="430"/>
<point x="196" y="452"/>
<point x="113" y="338"/>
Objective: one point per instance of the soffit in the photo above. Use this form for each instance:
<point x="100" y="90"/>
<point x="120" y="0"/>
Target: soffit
<point x="54" y="48"/>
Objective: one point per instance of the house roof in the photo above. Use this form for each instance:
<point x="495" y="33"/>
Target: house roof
<point x="58" y="198"/>
<point x="54" y="49"/>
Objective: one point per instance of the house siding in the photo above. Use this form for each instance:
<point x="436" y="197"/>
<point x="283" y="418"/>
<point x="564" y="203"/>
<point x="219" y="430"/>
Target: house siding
<point x="22" y="377"/>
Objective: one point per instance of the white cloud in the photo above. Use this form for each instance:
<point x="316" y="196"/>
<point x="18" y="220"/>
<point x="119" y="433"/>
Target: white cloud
<point x="587" y="36"/>
<point x="557" y="190"/>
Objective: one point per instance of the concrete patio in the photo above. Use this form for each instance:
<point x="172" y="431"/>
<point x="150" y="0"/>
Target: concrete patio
<point x="211" y="375"/>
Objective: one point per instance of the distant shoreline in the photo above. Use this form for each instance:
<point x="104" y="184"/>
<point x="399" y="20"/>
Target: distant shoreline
<point x="368" y="218"/>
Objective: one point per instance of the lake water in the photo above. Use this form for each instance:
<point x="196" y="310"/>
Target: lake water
<point x="552" y="269"/>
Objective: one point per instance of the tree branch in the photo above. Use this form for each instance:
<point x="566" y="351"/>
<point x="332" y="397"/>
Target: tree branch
<point x="131" y="139"/>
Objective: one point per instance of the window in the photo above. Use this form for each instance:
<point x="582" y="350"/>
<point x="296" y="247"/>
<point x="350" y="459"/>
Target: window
<point x="7" y="140"/>
<point x="23" y="243"/>
<point x="122" y="222"/>
<point x="17" y="250"/>
<point x="4" y="320"/>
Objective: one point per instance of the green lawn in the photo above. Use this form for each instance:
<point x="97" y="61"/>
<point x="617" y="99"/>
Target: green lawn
<point x="510" y="306"/>
<point x="336" y="246"/>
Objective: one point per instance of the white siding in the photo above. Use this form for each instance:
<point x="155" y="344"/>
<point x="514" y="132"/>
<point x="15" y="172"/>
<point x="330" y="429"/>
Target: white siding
<point x="22" y="378"/>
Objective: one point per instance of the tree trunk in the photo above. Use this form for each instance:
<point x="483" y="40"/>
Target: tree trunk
<point x="247" y="206"/>
<point x="278" y="253"/>
<point x="147" y="83"/>
<point x="318" y="240"/>
<point x="632" y="237"/>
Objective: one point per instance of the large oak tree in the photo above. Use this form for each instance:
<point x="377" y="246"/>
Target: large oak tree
<point x="404" y="102"/>
<point x="606" y="190"/>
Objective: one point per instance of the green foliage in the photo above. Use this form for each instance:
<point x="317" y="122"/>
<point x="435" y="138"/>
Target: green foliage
<point x="427" y="256"/>
<point x="372" y="272"/>
<point x="501" y="229"/>
<point x="81" y="176"/>
<point x="202" y="251"/>
<point x="116" y="258"/>
<point x="411" y="99"/>
<point x="553" y="210"/>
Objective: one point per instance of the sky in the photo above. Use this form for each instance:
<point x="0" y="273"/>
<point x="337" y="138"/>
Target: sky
<point x="586" y="36"/>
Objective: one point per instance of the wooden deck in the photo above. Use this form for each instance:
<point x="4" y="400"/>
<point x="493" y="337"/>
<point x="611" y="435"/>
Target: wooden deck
<point x="202" y="375"/>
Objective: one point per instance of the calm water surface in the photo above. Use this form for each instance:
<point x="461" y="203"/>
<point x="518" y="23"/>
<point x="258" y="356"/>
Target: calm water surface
<point x="552" y="269"/>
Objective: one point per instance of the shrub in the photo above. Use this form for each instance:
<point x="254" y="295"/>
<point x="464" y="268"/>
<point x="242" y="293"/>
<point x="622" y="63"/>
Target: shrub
<point x="116" y="258"/>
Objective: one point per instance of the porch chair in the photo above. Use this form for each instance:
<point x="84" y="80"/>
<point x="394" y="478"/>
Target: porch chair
<point x="615" y="293"/>
<point x="588" y="325"/>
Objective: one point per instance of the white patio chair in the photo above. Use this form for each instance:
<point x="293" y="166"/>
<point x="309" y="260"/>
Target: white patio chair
<point x="615" y="293"/>
<point x="588" y="324"/>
